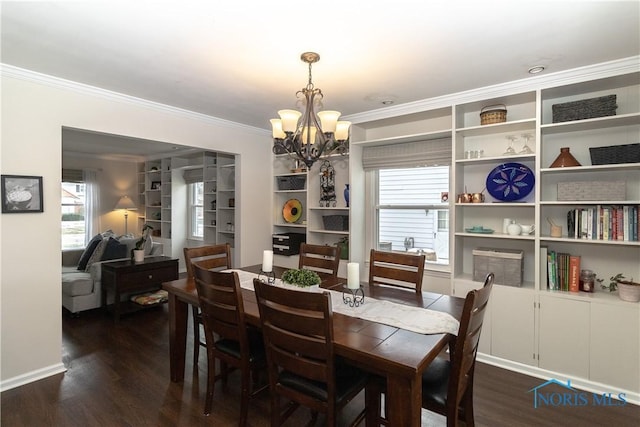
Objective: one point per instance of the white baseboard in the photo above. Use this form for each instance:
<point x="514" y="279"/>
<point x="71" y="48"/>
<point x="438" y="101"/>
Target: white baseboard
<point x="32" y="376"/>
<point x="580" y="383"/>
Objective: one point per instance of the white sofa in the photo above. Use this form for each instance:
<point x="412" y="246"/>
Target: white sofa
<point x="81" y="289"/>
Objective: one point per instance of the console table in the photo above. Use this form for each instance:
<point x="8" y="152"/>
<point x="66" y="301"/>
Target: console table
<point x="127" y="276"/>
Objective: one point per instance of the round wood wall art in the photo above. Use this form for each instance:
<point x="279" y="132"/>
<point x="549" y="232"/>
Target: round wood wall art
<point x="292" y="210"/>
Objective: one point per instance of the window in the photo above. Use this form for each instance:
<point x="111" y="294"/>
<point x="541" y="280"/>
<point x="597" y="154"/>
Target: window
<point x="73" y="215"/>
<point x="410" y="214"/>
<point x="196" y="211"/>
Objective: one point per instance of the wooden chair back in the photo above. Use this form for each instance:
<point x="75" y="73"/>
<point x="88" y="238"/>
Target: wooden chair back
<point x="396" y="269"/>
<point x="227" y="337"/>
<point x="212" y="257"/>
<point x="221" y="305"/>
<point x="322" y="259"/>
<point x="297" y="327"/>
<point x="463" y="351"/>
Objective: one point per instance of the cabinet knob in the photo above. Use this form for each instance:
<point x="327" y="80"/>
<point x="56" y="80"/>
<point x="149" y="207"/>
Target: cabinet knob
<point x="151" y="276"/>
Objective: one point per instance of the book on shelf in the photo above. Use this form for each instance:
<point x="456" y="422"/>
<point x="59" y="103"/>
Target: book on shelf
<point x="613" y="222"/>
<point x="544" y="269"/>
<point x="574" y="273"/>
<point x="551" y="270"/>
<point x="562" y="270"/>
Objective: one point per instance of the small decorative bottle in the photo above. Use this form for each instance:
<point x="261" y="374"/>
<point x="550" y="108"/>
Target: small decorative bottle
<point x="346" y="194"/>
<point x="565" y="159"/>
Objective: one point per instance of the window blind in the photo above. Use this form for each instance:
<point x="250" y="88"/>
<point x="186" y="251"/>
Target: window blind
<point x="72" y="175"/>
<point x="435" y="152"/>
<point x="193" y="175"/>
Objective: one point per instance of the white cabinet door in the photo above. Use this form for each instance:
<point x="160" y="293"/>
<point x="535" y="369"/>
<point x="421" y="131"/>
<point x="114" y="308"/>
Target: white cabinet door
<point x="564" y="335"/>
<point x="615" y="345"/>
<point x="513" y="324"/>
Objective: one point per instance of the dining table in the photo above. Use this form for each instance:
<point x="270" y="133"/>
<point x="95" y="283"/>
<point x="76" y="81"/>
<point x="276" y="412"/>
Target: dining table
<point x="399" y="355"/>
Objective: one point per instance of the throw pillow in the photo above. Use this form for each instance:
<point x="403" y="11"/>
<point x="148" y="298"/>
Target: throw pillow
<point x="97" y="253"/>
<point x="129" y="242"/>
<point x="88" y="251"/>
<point x="114" y="250"/>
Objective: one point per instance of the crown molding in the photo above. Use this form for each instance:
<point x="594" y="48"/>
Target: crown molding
<point x="23" y="74"/>
<point x="561" y="78"/>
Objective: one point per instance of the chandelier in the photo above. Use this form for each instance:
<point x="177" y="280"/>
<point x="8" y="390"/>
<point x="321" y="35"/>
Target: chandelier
<point x="316" y="134"/>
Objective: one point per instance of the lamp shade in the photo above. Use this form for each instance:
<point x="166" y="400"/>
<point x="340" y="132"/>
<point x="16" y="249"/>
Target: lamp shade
<point x="125" y="202"/>
<point x="277" y="131"/>
<point x="342" y="131"/>
<point x="289" y="119"/>
<point x="328" y="120"/>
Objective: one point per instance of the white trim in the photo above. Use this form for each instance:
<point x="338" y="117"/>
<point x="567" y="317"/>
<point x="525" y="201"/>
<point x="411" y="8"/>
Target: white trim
<point x="32" y="376"/>
<point x="561" y="78"/>
<point x="56" y="82"/>
<point x="580" y="383"/>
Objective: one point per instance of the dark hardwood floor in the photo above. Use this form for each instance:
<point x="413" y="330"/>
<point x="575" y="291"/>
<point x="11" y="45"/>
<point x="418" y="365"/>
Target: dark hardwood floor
<point x="118" y="375"/>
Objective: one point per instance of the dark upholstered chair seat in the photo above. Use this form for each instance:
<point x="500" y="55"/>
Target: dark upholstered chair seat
<point x="435" y="381"/>
<point x="348" y="381"/>
<point x="232" y="348"/>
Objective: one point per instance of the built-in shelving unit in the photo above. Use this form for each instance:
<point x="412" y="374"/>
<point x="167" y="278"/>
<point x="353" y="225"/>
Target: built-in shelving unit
<point x="542" y="330"/>
<point x="308" y="192"/>
<point x="163" y="198"/>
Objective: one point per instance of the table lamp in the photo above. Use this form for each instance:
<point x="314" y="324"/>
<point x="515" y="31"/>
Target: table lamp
<point x="125" y="203"/>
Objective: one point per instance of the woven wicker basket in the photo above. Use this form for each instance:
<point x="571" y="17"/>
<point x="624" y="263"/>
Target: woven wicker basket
<point x="625" y="153"/>
<point x="584" y="109"/>
<point x="291" y="182"/>
<point x="493" y="114"/>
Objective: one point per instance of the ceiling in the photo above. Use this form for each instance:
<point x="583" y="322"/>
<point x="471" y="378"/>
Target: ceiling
<point x="240" y="60"/>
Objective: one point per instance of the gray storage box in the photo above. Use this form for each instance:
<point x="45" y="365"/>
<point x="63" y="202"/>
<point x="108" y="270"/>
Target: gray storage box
<point x="592" y="190"/>
<point x="507" y="265"/>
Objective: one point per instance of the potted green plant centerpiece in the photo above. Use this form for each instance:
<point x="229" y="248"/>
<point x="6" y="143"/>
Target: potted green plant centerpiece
<point x="137" y="253"/>
<point x="302" y="278"/>
<point x="628" y="290"/>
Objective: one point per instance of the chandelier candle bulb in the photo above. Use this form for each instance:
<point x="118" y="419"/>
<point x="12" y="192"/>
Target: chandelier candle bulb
<point x="267" y="261"/>
<point x="353" y="275"/>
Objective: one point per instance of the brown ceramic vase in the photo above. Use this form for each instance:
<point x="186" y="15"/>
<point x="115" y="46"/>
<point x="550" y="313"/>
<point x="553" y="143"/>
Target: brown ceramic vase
<point x="565" y="159"/>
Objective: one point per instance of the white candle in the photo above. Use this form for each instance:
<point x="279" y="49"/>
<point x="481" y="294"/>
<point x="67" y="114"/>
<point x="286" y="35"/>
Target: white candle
<point x="267" y="261"/>
<point x="353" y="275"/>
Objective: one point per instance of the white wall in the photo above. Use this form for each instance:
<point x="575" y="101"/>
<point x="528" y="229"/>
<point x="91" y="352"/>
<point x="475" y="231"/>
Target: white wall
<point x="34" y="110"/>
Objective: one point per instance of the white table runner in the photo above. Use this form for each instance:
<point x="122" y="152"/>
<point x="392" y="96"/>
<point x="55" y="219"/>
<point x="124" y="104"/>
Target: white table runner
<point x="415" y="319"/>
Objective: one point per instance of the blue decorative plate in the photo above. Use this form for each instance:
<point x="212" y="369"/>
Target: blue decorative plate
<point x="510" y="181"/>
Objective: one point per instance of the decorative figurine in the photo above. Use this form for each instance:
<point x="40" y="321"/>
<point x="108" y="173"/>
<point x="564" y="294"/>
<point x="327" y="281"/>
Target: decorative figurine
<point x="327" y="185"/>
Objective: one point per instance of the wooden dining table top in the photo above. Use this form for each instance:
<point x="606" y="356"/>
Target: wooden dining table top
<point x="365" y="340"/>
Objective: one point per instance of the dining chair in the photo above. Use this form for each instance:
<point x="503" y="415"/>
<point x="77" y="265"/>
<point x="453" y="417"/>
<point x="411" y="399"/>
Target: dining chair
<point x="297" y="327"/>
<point x="404" y="270"/>
<point x="227" y="335"/>
<point x="211" y="257"/>
<point x="447" y="383"/>
<point x="323" y="259"/>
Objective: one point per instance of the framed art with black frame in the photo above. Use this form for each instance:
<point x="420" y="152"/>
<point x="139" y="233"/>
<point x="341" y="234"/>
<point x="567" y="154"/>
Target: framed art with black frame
<point x="21" y="194"/>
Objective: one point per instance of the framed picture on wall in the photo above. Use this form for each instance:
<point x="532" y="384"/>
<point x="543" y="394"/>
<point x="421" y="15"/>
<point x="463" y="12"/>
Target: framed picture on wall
<point x="21" y="194"/>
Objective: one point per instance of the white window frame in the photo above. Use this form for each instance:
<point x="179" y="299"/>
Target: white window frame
<point x="78" y="189"/>
<point x="192" y="210"/>
<point x="371" y="183"/>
